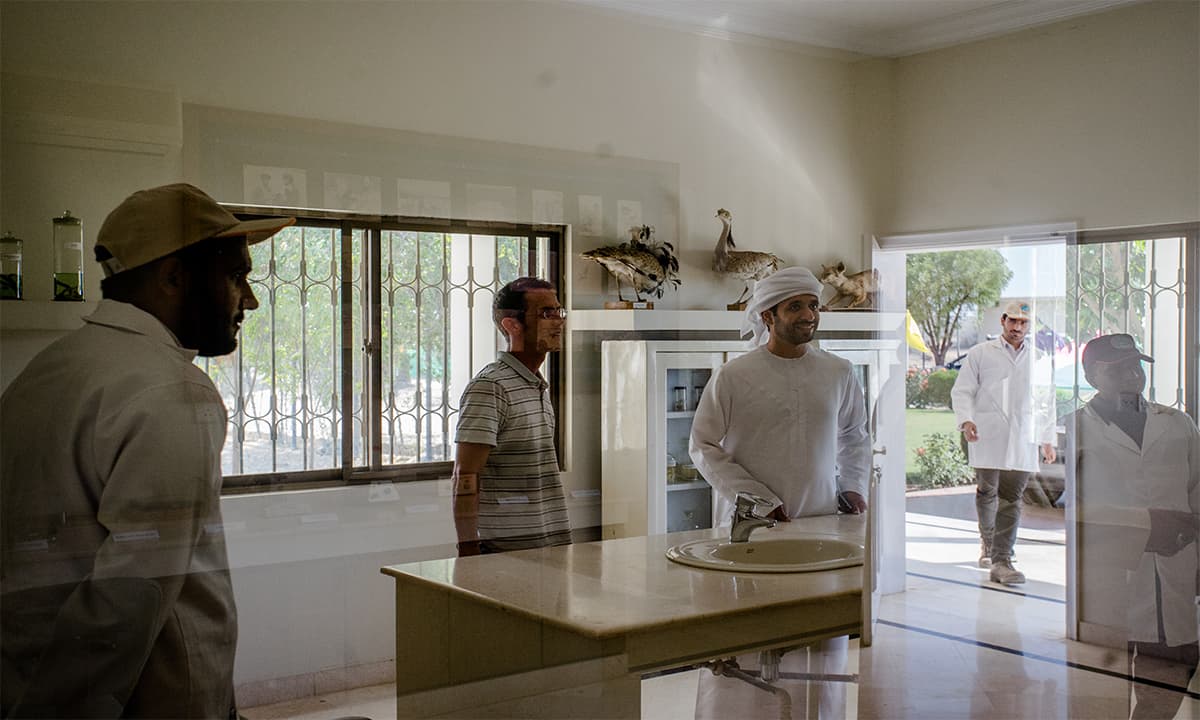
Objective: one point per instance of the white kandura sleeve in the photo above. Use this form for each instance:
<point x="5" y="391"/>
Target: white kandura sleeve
<point x="854" y="443"/>
<point x="710" y="426"/>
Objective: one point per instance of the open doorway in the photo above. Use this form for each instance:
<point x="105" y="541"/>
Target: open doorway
<point x="1130" y="281"/>
<point x="954" y="287"/>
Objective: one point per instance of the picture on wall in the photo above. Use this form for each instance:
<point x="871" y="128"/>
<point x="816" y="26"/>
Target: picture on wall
<point x="274" y="186"/>
<point x="629" y="215"/>
<point x="547" y="206"/>
<point x="353" y="193"/>
<point x="591" y="215"/>
<point x="491" y="202"/>
<point x="423" y="198"/>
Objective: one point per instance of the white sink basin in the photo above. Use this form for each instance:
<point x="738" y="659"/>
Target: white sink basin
<point x="790" y="554"/>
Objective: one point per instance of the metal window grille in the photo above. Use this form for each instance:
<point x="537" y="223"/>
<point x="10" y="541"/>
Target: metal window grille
<point x="367" y="331"/>
<point x="1136" y="281"/>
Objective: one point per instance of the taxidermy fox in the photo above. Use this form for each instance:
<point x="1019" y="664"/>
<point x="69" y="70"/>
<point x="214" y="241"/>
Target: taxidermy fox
<point x="859" y="289"/>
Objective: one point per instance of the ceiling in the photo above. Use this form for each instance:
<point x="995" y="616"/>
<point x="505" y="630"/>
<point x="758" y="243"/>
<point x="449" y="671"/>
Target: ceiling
<point x="883" y="28"/>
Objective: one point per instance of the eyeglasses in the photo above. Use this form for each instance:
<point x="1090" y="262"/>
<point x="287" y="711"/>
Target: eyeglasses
<point x="551" y="313"/>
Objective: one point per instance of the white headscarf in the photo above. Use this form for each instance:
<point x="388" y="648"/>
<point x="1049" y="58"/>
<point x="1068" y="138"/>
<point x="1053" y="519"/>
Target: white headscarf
<point x="771" y="291"/>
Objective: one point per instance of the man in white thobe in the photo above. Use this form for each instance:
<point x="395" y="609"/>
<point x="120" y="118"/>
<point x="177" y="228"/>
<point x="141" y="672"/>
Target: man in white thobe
<point x="1004" y="415"/>
<point x="787" y="422"/>
<point x="1136" y="474"/>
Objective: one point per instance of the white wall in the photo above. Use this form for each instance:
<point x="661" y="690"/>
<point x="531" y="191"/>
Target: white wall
<point x="1094" y="120"/>
<point x="767" y="133"/>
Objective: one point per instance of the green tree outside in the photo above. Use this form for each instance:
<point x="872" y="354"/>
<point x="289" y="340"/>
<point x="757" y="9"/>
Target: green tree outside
<point x="943" y="286"/>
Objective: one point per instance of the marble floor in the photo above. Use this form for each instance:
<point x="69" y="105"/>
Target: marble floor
<point x="954" y="645"/>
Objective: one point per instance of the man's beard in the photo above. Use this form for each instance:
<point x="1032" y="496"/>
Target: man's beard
<point x="206" y="330"/>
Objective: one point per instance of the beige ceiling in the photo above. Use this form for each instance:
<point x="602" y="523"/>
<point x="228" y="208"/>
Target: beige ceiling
<point x="885" y="28"/>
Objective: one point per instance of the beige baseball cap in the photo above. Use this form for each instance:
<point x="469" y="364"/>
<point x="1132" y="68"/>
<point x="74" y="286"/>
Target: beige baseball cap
<point x="1017" y="310"/>
<point x="154" y="223"/>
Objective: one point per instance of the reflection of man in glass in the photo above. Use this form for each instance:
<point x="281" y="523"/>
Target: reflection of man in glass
<point x="1137" y="465"/>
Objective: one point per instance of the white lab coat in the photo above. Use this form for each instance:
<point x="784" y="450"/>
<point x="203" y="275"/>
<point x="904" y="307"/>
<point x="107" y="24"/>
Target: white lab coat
<point x="1011" y="401"/>
<point x="1116" y="484"/>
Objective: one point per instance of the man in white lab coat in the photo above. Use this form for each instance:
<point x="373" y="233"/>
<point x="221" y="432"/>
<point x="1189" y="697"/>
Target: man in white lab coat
<point x="1136" y="476"/>
<point x="787" y="422"/>
<point x="1004" y="415"/>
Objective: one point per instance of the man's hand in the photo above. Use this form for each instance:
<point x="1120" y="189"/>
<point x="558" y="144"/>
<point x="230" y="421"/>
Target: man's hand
<point x="970" y="431"/>
<point x="1048" y="453"/>
<point x="851" y="503"/>
<point x="467" y="548"/>
<point x="779" y="514"/>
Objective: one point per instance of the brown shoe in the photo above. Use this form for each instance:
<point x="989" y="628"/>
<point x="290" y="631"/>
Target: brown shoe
<point x="1004" y="573"/>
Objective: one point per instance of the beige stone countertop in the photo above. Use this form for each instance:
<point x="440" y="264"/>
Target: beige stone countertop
<point x="611" y="588"/>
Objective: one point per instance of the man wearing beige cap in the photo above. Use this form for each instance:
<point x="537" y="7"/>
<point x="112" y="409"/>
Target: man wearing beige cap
<point x="117" y="600"/>
<point x="1004" y="415"/>
<point x="1135" y="466"/>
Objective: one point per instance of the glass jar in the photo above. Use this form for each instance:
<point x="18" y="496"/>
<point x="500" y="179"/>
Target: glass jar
<point x="679" y="398"/>
<point x="68" y="258"/>
<point x="672" y="470"/>
<point x="10" y="267"/>
<point x="697" y="391"/>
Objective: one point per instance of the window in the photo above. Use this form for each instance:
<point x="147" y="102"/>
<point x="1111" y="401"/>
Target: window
<point x="368" y="329"/>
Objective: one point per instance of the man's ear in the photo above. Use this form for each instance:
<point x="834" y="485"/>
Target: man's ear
<point x="170" y="276"/>
<point x="766" y="316"/>
<point x="512" y="326"/>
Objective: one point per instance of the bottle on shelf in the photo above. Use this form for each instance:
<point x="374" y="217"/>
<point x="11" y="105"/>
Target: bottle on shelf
<point x="10" y="267"/>
<point x="679" y="398"/>
<point x="68" y="258"/>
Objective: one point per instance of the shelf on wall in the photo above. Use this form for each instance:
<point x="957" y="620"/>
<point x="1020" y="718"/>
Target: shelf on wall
<point x="618" y="320"/>
<point x="43" y="314"/>
<point x="689" y="485"/>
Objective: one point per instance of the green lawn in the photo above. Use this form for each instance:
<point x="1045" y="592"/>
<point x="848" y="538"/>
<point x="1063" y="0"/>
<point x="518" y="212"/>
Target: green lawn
<point x="921" y="422"/>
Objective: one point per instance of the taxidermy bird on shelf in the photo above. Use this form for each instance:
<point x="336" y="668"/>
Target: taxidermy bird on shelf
<point x="746" y="265"/>
<point x="643" y="264"/>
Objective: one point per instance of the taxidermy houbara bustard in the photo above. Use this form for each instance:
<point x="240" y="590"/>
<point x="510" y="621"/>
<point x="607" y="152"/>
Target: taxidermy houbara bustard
<point x="746" y="265"/>
<point x="643" y="264"/>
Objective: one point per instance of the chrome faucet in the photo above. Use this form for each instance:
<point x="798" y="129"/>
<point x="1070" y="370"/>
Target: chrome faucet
<point x="744" y="519"/>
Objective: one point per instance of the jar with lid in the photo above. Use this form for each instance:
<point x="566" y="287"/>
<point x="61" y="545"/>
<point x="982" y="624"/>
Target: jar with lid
<point x="679" y="398"/>
<point x="10" y="267"/>
<point x="672" y="470"/>
<point x="68" y="258"/>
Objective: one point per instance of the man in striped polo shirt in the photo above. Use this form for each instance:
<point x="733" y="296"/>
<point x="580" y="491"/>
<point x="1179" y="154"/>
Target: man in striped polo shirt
<point x="507" y="493"/>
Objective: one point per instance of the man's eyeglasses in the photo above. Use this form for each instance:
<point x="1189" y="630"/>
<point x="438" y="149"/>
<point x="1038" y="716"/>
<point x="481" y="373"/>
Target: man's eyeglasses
<point x="551" y="313"/>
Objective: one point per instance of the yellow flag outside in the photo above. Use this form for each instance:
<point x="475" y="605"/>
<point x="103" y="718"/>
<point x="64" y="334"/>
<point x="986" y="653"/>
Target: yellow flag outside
<point x="915" y="341"/>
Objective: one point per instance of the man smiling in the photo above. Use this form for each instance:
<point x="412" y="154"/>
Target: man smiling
<point x="787" y="422"/>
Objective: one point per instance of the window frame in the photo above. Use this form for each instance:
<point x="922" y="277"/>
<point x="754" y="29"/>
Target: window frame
<point x="370" y="346"/>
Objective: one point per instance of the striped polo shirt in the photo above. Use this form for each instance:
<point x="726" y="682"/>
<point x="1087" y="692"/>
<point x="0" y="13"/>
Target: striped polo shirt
<point x="521" y="502"/>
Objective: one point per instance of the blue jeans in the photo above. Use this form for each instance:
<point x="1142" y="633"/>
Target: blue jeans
<point x="998" y="504"/>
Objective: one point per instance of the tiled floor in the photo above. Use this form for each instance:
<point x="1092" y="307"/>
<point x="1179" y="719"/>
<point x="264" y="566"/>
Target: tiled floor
<point x="952" y="646"/>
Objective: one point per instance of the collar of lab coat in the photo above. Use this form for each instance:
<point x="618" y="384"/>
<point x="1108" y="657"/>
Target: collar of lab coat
<point x="131" y="318"/>
<point x="1154" y="427"/>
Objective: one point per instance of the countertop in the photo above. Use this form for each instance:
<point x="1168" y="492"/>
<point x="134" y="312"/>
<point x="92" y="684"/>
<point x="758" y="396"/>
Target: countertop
<point x="612" y="588"/>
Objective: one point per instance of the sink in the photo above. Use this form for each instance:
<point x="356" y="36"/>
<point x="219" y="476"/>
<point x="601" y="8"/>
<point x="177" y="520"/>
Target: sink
<point x="794" y="553"/>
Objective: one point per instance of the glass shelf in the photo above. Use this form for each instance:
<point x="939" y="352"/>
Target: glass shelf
<point x="690" y="485"/>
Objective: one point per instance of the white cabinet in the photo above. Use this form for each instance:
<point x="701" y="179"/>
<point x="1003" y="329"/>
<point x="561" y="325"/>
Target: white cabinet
<point x="649" y="391"/>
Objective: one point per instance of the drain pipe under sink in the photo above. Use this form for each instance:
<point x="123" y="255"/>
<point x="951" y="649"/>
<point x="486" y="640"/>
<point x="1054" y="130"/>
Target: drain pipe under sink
<point x="768" y="659"/>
